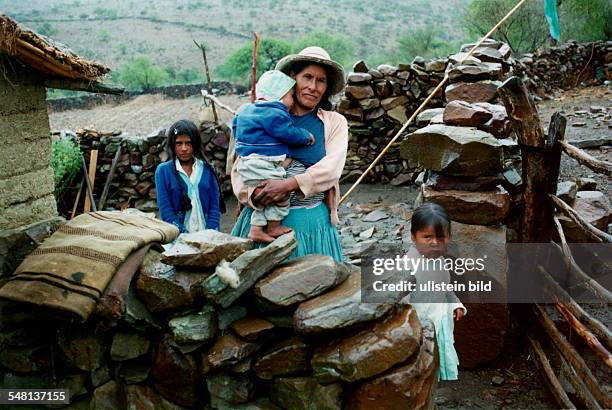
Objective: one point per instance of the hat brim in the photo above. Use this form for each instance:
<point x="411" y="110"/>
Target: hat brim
<point x="336" y="73"/>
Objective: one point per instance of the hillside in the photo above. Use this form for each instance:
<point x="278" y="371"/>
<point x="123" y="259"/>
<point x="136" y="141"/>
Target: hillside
<point x="163" y="29"/>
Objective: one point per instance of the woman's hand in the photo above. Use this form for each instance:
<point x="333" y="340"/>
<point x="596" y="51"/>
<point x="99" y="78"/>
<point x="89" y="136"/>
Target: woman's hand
<point x="458" y="313"/>
<point x="272" y="191"/>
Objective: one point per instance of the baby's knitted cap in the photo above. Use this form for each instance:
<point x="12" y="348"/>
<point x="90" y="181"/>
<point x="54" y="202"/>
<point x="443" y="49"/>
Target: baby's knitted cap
<point x="273" y="85"/>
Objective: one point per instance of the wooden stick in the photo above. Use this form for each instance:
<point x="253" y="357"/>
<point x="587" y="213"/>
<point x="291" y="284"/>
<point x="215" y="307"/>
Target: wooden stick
<point x="83" y="85"/>
<point x="40" y="56"/>
<point x="573" y="358"/>
<point x="78" y="197"/>
<point x="208" y="82"/>
<point x="586" y="335"/>
<point x="109" y="179"/>
<point x="254" y="68"/>
<point x="580" y="389"/>
<point x="424" y="103"/>
<point x="597" y="165"/>
<point x="599" y="329"/>
<point x="590" y="230"/>
<point x="553" y="383"/>
<point x="215" y="100"/>
<point x="89" y="200"/>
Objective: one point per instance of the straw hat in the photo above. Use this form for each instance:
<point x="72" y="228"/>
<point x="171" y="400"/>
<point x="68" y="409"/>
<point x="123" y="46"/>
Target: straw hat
<point x="319" y="56"/>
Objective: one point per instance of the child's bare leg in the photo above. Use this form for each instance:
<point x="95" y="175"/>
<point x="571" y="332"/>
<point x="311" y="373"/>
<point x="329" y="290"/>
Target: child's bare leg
<point x="257" y="234"/>
<point x="275" y="229"/>
<point x="287" y="162"/>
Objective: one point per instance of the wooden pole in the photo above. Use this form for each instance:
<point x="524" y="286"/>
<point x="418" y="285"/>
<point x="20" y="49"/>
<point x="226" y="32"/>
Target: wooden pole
<point x="208" y="82"/>
<point x="254" y="67"/>
<point x="601" y="167"/>
<point x="78" y="197"/>
<point x="93" y="160"/>
<point x="109" y="179"/>
<point x="424" y="103"/>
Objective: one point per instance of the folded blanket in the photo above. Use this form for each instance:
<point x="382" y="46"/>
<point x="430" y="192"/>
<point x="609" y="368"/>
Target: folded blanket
<point x="72" y="268"/>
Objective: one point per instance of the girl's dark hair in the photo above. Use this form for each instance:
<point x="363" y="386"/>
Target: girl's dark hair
<point x="430" y="214"/>
<point x="188" y="128"/>
<point x="297" y="68"/>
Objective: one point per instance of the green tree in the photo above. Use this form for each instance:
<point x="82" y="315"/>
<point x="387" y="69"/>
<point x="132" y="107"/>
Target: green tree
<point x="237" y="66"/>
<point x="141" y="74"/>
<point x="339" y="48"/>
<point x="585" y="20"/>
<point x="66" y="162"/>
<point x="427" y="42"/>
<point x="525" y="31"/>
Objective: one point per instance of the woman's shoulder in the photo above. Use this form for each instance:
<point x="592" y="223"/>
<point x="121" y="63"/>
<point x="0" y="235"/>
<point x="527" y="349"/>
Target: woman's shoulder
<point x="165" y="166"/>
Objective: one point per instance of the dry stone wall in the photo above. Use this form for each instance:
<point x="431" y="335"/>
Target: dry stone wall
<point x="26" y="178"/>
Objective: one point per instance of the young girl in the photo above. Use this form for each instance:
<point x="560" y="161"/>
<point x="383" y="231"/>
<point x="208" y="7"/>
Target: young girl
<point x="430" y="235"/>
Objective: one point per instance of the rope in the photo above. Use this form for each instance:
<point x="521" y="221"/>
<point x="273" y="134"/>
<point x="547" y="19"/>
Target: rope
<point x="429" y="97"/>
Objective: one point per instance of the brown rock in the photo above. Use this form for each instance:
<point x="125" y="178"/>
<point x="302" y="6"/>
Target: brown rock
<point x="465" y="114"/>
<point x="230" y="388"/>
<point x="107" y="397"/>
<point x="594" y="207"/>
<point x="354" y="114"/>
<point x="205" y="249"/>
<point x="488" y="55"/>
<point x="566" y="191"/>
<point x="410" y="386"/>
<point x="82" y="348"/>
<point x="251" y="328"/>
<point x="305" y="393"/>
<point x="398" y="114"/>
<point x="301" y="279"/>
<point x="369" y="103"/>
<point x="372" y="350"/>
<point x="227" y="350"/>
<point x="175" y="375"/>
<point x="383" y="88"/>
<point x="402" y="179"/>
<point x="392" y="102"/>
<point x="145" y="398"/>
<point x="357" y="78"/>
<point x="481" y="91"/>
<point x="288" y="356"/>
<point x="476" y="208"/>
<point x="339" y="308"/>
<point x="359" y="92"/>
<point x="360" y="67"/>
<point x="26" y="359"/>
<point x="476" y="72"/>
<point x="127" y="346"/>
<point x="499" y="125"/>
<point x="377" y="113"/>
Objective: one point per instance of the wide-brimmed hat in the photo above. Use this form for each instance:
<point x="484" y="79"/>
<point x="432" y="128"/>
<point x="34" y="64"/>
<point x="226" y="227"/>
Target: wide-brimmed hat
<point x="320" y="56"/>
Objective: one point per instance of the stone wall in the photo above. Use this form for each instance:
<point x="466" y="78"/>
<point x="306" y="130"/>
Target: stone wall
<point x="26" y="178"/>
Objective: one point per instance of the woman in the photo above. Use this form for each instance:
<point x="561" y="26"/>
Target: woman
<point x="187" y="188"/>
<point x="314" y="204"/>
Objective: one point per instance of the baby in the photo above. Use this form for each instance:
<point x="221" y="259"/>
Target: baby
<point x="263" y="133"/>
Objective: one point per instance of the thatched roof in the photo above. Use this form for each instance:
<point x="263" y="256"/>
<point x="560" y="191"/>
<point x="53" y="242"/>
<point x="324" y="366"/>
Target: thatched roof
<point x="43" y="54"/>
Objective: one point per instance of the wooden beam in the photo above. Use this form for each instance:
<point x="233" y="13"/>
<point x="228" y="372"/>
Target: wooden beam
<point x="83" y="85"/>
<point x="599" y="166"/>
<point x="89" y="179"/>
<point x="573" y="358"/>
<point x="109" y="179"/>
<point x="254" y="67"/>
<point x="591" y="231"/>
<point x="547" y="372"/>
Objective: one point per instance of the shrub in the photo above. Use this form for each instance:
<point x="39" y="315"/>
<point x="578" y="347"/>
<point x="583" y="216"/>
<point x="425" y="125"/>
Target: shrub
<point x="66" y="162"/>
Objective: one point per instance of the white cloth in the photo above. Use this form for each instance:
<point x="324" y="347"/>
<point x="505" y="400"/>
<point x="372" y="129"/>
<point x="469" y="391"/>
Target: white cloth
<point x="194" y="219"/>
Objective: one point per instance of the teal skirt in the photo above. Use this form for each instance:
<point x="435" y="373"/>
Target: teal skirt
<point x="314" y="232"/>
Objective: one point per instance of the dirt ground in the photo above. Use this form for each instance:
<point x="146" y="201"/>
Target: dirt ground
<point x="518" y="385"/>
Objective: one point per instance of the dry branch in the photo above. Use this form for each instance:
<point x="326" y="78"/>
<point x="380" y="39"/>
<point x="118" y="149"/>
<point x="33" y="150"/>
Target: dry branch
<point x="599" y="166"/>
<point x="590" y="230"/>
<point x="109" y="179"/>
<point x="216" y="101"/>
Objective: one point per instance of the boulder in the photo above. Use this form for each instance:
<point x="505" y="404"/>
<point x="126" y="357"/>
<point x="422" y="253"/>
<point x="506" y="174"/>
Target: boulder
<point x="339" y="308"/>
<point x="248" y="267"/>
<point x="371" y="351"/>
<point x="453" y="150"/>
<point x="205" y="249"/>
<point x="426" y="116"/>
<point x="301" y="279"/>
<point x="465" y="114"/>
<point x="411" y="385"/>
<point x="286" y="357"/>
<point x="480" y="91"/>
<point x="194" y="328"/>
<point x="476" y="208"/>
<point x="305" y="393"/>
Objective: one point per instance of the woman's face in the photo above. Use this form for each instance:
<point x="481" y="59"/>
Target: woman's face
<point x="311" y="84"/>
<point x="183" y="148"/>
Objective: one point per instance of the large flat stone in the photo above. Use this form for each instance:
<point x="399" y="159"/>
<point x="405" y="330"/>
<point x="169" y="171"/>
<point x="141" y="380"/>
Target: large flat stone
<point x="475" y="72"/>
<point x="425" y="117"/>
<point x="286" y="357"/>
<point x="205" y="249"/>
<point x="338" y="308"/>
<point x="359" y="92"/>
<point x="409" y="386"/>
<point x="371" y="351"/>
<point x="305" y="393"/>
<point x="476" y="208"/>
<point x="453" y="150"/>
<point x="480" y="91"/>
<point x="465" y="114"/>
<point x="251" y="328"/>
<point x="301" y="279"/>
<point x="248" y="267"/>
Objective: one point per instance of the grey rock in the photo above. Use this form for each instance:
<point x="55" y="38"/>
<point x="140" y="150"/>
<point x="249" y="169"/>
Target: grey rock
<point x="228" y="316"/>
<point x="360" y="67"/>
<point x="477" y="72"/>
<point x="472" y="92"/>
<point x="194" y="328"/>
<point x="426" y="116"/>
<point x="356" y="78"/>
<point x="128" y="346"/>
<point x="230" y="388"/>
<point x="305" y="393"/>
<point x="387" y="69"/>
<point x="566" y="191"/>
<point x="375" y="216"/>
<point x="367" y="234"/>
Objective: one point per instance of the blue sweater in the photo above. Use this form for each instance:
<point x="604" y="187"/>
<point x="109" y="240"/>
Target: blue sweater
<point x="169" y="195"/>
<point x="266" y="128"/>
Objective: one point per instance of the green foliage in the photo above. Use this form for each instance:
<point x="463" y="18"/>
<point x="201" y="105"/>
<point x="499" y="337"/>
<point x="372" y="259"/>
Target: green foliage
<point x="524" y="31"/>
<point x="237" y="67"/>
<point x="66" y="162"/>
<point x="141" y="74"/>
<point x="427" y="42"/>
<point x="585" y="20"/>
<point x="341" y="49"/>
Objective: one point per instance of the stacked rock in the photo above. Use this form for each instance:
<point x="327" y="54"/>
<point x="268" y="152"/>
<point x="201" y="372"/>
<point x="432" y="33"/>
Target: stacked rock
<point x="466" y="149"/>
<point x="566" y="66"/>
<point x="133" y="183"/>
<point x="376" y="104"/>
<point x="215" y="323"/>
